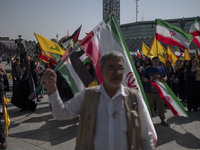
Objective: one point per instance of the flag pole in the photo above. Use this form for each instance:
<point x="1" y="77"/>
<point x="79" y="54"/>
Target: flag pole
<point x="72" y="50"/>
<point x="156" y="42"/>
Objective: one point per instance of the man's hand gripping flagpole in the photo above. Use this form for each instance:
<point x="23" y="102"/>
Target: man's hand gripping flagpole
<point x="71" y="51"/>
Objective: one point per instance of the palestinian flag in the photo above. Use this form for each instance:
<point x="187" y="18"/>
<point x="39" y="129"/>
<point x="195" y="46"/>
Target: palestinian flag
<point x="106" y="36"/>
<point x="172" y="35"/>
<point x="70" y="40"/>
<point x="70" y="75"/>
<point x="195" y="27"/>
<point x="73" y="69"/>
<point x="169" y="98"/>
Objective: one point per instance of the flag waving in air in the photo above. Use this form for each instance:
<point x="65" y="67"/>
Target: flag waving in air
<point x="138" y="53"/>
<point x="172" y="35"/>
<point x="186" y="55"/>
<point x="66" y="41"/>
<point x="49" y="46"/>
<point x="195" y="31"/>
<point x="179" y="53"/>
<point x="157" y="50"/>
<point x="171" y="56"/>
<point x="106" y="36"/>
<point x="169" y="98"/>
<point x="73" y="69"/>
<point x="195" y="27"/>
<point x="145" y="50"/>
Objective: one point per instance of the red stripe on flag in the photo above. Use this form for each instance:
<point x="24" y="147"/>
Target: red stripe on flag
<point x="195" y="33"/>
<point x="45" y="59"/>
<point x="169" y="41"/>
<point x="164" y="99"/>
<point x="196" y="41"/>
<point x="92" y="51"/>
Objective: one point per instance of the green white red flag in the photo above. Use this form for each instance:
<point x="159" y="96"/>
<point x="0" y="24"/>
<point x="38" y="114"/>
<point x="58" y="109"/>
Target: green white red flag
<point x="196" y="40"/>
<point x="106" y="36"/>
<point x="195" y="27"/>
<point x="138" y="54"/>
<point x="179" y="53"/>
<point x="169" y="98"/>
<point x="195" y="31"/>
<point x="172" y="35"/>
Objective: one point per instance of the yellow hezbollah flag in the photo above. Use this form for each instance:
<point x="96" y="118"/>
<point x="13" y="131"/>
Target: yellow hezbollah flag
<point x="172" y="57"/>
<point x="10" y="76"/>
<point x="186" y="55"/>
<point x="145" y="50"/>
<point x="13" y="57"/>
<point x="49" y="46"/>
<point x="157" y="50"/>
<point x="6" y="116"/>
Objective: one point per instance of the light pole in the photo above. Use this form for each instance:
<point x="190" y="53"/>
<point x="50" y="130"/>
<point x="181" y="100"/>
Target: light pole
<point x="137" y="10"/>
<point x="57" y="38"/>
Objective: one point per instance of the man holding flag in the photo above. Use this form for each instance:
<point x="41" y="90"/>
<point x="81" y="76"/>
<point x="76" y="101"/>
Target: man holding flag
<point x="111" y="114"/>
<point x="155" y="72"/>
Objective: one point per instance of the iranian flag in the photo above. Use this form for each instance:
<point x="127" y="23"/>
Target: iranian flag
<point x="196" y="40"/>
<point x="172" y="35"/>
<point x="106" y="36"/>
<point x="195" y="27"/>
<point x="179" y="53"/>
<point x="138" y="53"/>
<point x="195" y="31"/>
<point x="169" y="98"/>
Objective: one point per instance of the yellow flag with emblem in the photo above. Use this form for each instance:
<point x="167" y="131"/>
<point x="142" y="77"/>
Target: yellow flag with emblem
<point x="6" y="116"/>
<point x="145" y="50"/>
<point x="172" y="57"/>
<point x="49" y="46"/>
<point x="157" y="50"/>
<point x="186" y="55"/>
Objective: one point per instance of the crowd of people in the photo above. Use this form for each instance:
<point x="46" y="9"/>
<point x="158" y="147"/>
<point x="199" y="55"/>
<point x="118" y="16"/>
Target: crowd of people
<point x="183" y="78"/>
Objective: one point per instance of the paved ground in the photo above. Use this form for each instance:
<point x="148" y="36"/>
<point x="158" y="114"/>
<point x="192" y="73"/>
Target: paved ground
<point x="39" y="131"/>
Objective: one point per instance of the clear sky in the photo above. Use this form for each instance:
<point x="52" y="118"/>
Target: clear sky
<point x="51" y="17"/>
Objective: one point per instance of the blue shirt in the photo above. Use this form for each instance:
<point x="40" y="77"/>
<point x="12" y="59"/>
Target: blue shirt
<point x="156" y="73"/>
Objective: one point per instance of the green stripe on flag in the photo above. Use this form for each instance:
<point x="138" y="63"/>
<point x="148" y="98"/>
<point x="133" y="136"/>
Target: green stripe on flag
<point x="110" y="20"/>
<point x="165" y="24"/>
<point x="67" y="76"/>
<point x="171" y="93"/>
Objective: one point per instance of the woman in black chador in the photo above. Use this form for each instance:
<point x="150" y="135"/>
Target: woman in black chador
<point x="27" y="85"/>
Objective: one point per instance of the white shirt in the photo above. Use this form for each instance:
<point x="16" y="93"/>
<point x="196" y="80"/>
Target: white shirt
<point x="111" y="123"/>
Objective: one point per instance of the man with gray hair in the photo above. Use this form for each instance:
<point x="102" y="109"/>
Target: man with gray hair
<point x="110" y="116"/>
